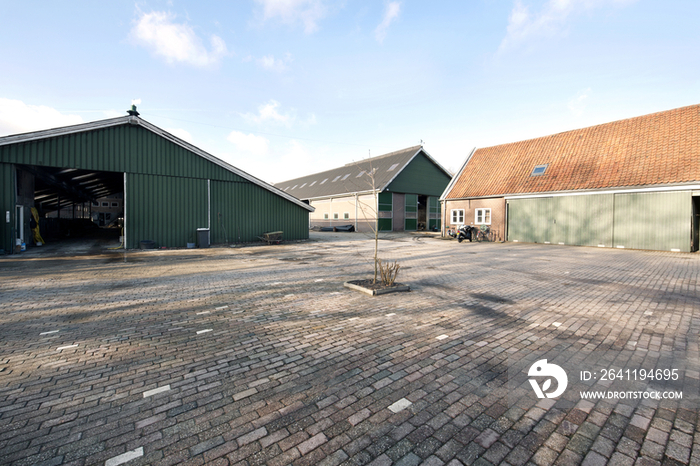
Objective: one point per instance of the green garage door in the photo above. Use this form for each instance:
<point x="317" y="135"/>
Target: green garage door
<point x="656" y="221"/>
<point x="411" y="212"/>
<point x="385" y="214"/>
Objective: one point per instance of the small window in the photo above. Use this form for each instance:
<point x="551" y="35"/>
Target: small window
<point x="458" y="216"/>
<point x="295" y="186"/>
<point x="95" y="204"/>
<point x="323" y="181"/>
<point x="393" y="167"/>
<point x="345" y="177"/>
<point x="105" y="204"/>
<point x="539" y="170"/>
<point x="360" y="174"/>
<point x="482" y="216"/>
<point x="325" y="216"/>
<point x="346" y="215"/>
<point x="336" y="178"/>
<point x="335" y="216"/>
<point x="302" y="185"/>
<point x="312" y="183"/>
<point x="115" y="204"/>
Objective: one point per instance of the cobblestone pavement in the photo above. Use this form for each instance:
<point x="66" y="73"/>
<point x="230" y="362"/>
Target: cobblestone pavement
<point x="259" y="356"/>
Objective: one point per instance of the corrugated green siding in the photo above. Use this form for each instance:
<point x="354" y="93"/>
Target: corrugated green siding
<point x="7" y="203"/>
<point x="656" y="221"/>
<point x="125" y="148"/>
<point x="247" y="211"/>
<point x="165" y="209"/>
<point x="421" y="176"/>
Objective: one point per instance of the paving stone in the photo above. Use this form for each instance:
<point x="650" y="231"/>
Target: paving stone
<point x="298" y="374"/>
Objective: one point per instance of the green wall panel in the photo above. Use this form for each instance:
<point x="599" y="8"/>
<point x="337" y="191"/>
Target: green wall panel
<point x="385" y="224"/>
<point x="7" y="203"/>
<point x="167" y="210"/>
<point x="657" y="221"/>
<point x="385" y="201"/>
<point x="243" y="211"/>
<point x="421" y="176"/>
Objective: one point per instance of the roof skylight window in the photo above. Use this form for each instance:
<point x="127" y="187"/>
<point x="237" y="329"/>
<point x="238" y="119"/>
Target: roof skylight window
<point x="314" y="182"/>
<point x="302" y="185"/>
<point x="295" y="186"/>
<point x="539" y="170"/>
<point x="392" y="167"/>
<point x="360" y="174"/>
<point x="336" y="178"/>
<point x="323" y="181"/>
<point x="345" y="177"/>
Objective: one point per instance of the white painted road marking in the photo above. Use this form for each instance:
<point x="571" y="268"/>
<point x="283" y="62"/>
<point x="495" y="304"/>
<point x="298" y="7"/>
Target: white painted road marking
<point x="155" y="391"/>
<point x="400" y="405"/>
<point x="124" y="457"/>
<point x="47" y="333"/>
<point x="205" y="330"/>
<point x="65" y="347"/>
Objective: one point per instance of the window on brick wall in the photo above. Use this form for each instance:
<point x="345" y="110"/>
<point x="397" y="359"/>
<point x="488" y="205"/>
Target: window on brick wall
<point x="482" y="216"/>
<point x="457" y="216"/>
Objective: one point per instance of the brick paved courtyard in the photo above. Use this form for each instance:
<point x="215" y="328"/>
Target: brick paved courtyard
<point x="259" y="356"/>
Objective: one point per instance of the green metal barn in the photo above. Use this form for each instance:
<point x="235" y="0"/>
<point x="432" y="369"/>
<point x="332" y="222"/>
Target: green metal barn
<point x="172" y="191"/>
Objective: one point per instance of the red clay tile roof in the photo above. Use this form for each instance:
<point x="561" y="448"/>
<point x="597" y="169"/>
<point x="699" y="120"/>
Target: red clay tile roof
<point x="660" y="148"/>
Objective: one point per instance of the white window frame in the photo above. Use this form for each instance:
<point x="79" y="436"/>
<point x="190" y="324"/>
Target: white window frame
<point x="457" y="216"/>
<point x="346" y="215"/>
<point x="335" y="216"/>
<point x="325" y="216"/>
<point x="482" y="213"/>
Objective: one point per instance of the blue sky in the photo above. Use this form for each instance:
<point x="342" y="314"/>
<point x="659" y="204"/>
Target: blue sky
<point x="284" y="88"/>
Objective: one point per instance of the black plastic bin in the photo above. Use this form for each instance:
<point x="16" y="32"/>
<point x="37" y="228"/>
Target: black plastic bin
<point x="203" y="237"/>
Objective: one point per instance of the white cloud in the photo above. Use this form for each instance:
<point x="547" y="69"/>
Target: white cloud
<point x="269" y="62"/>
<point x="135" y="101"/>
<point x="249" y="143"/>
<point x="552" y="19"/>
<point x="306" y="12"/>
<point x="390" y="14"/>
<point x="268" y="112"/>
<point x="18" y="117"/>
<point x="176" y="42"/>
<point x="181" y="133"/>
<point x="578" y="104"/>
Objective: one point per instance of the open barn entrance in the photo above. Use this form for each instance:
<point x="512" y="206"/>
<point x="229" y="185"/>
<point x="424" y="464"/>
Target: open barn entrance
<point x="71" y="206"/>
